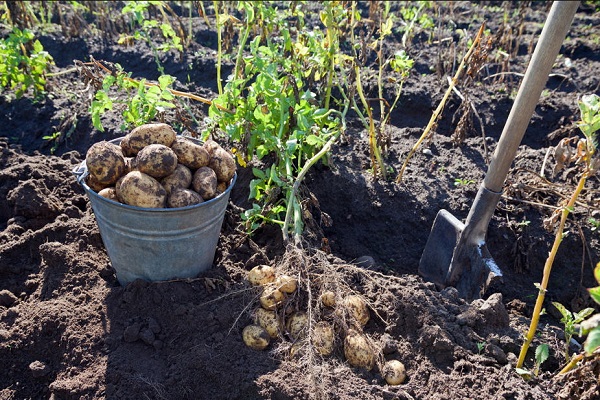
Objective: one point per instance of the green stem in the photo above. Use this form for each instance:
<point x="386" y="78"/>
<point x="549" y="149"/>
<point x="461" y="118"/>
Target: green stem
<point x="547" y="269"/>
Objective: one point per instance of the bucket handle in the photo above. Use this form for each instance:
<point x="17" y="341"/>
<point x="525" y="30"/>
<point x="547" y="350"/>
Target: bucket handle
<point x="80" y="172"/>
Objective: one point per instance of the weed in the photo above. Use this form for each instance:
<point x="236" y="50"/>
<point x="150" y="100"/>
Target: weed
<point x="595" y="224"/>
<point x="463" y="182"/>
<point x="589" y="327"/>
<point x="569" y="320"/>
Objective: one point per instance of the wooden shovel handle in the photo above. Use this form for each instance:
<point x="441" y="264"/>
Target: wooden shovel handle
<point x="553" y="34"/>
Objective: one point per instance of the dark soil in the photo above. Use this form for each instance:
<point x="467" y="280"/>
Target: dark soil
<point x="68" y="330"/>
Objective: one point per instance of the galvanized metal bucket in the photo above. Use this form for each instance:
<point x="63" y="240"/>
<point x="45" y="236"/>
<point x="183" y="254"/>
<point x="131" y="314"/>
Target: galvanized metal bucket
<point x="157" y="244"/>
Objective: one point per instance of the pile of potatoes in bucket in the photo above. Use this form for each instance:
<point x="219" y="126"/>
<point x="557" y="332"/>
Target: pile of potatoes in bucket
<point x="271" y="323"/>
<point x="152" y="167"/>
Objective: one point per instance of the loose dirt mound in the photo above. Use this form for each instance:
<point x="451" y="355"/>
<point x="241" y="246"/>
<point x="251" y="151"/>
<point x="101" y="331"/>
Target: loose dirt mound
<point x="68" y="330"/>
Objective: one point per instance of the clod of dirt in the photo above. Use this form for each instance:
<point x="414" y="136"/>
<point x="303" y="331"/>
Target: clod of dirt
<point x="484" y="316"/>
<point x="7" y="298"/>
<point x="38" y="369"/>
<point x="32" y="199"/>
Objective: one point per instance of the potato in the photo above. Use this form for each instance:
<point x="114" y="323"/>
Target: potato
<point x="156" y="160"/>
<point x="261" y="275"/>
<point x="147" y="134"/>
<point x="223" y="164"/>
<point x="323" y="338"/>
<point x="286" y="283"/>
<point x="356" y="308"/>
<point x="298" y="349"/>
<point x="105" y="162"/>
<point x="93" y="183"/>
<point x="126" y="147"/>
<point x="183" y="198"/>
<point x="268" y="320"/>
<point x="210" y="146"/>
<point x="297" y="324"/>
<point x="271" y="297"/>
<point x="358" y="350"/>
<point x="328" y="298"/>
<point x="181" y="178"/>
<point x="255" y="337"/>
<point x="142" y="190"/>
<point x="204" y="181"/>
<point x="394" y="372"/>
<point x="190" y="154"/>
<point x="222" y="187"/>
<point x="109" y="193"/>
<point x="130" y="165"/>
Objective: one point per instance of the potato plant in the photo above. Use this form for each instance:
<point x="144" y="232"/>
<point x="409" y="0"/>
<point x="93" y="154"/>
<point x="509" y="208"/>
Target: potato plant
<point x="276" y="118"/>
<point x="24" y="63"/>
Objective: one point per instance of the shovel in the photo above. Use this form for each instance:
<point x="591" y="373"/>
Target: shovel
<point x="456" y="253"/>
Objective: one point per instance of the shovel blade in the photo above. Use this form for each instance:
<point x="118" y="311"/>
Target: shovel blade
<point x="437" y="255"/>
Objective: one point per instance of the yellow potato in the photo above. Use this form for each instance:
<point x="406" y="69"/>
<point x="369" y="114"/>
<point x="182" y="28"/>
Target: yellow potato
<point x="328" y="298"/>
<point x="105" y="161"/>
<point x="204" y="182"/>
<point x="268" y="320"/>
<point x="271" y="297"/>
<point x="210" y="146"/>
<point x="223" y="164"/>
<point x="156" y="160"/>
<point x="109" y="193"/>
<point x="93" y="183"/>
<point x="126" y="148"/>
<point x="221" y="187"/>
<point x="356" y="308"/>
<point x="141" y="190"/>
<point x="394" y="372"/>
<point x="183" y="198"/>
<point x="181" y="178"/>
<point x="323" y="338"/>
<point x="261" y="275"/>
<point x="297" y="324"/>
<point x="255" y="337"/>
<point x="358" y="350"/>
<point x="286" y="283"/>
<point x="147" y="134"/>
<point x="190" y="154"/>
<point x="130" y="165"/>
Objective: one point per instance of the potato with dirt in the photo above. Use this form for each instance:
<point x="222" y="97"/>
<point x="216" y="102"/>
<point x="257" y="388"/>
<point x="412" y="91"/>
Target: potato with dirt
<point x="190" y="154"/>
<point x="268" y="320"/>
<point x="223" y="164"/>
<point x="256" y="337"/>
<point x="261" y="275"/>
<point x="356" y="308"/>
<point x="183" y="198"/>
<point x="204" y="182"/>
<point x="323" y="338"/>
<point x="109" y="193"/>
<point x="141" y="190"/>
<point x="181" y="178"/>
<point x="358" y="350"/>
<point x="271" y="297"/>
<point x="145" y="135"/>
<point x="156" y="160"/>
<point x="105" y="161"/>
<point x="297" y="324"/>
<point x="394" y="372"/>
